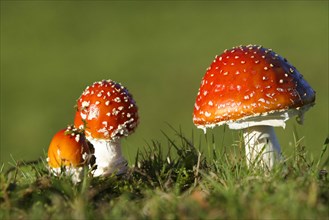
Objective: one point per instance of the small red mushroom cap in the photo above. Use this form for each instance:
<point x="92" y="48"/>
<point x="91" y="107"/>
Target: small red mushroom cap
<point x="106" y="110"/>
<point x="68" y="147"/>
<point x="248" y="81"/>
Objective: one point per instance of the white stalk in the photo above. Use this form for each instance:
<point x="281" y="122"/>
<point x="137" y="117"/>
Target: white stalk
<point x="109" y="158"/>
<point x="262" y="146"/>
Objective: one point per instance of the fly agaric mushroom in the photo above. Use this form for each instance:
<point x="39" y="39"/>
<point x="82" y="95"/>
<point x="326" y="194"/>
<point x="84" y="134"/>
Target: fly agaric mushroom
<point x="254" y="89"/>
<point x="68" y="151"/>
<point x="107" y="112"/>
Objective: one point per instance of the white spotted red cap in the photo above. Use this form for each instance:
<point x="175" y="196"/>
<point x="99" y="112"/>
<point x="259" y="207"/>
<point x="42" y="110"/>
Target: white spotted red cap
<point x="107" y="110"/>
<point x="246" y="81"/>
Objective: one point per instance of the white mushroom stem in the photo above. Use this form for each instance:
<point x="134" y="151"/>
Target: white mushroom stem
<point x="262" y="146"/>
<point x="108" y="157"/>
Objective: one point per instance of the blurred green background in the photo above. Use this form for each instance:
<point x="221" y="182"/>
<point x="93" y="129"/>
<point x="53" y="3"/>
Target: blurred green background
<point x="51" y="50"/>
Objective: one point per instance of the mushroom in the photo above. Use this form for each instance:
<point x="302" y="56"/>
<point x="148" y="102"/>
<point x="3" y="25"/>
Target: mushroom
<point x="68" y="152"/>
<point x="254" y="89"/>
<point x="107" y="112"/>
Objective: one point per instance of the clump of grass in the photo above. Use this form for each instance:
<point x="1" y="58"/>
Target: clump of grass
<point x="178" y="167"/>
<point x="176" y="181"/>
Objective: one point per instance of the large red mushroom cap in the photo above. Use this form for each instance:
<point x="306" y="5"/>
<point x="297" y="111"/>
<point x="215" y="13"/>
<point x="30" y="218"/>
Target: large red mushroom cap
<point x="106" y="110"/>
<point x="247" y="81"/>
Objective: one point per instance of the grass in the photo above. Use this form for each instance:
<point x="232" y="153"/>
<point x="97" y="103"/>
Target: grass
<point x="176" y="181"/>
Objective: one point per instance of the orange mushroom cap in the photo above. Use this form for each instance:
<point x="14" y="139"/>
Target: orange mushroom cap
<point x="67" y="148"/>
<point x="248" y="81"/>
<point x="106" y="110"/>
